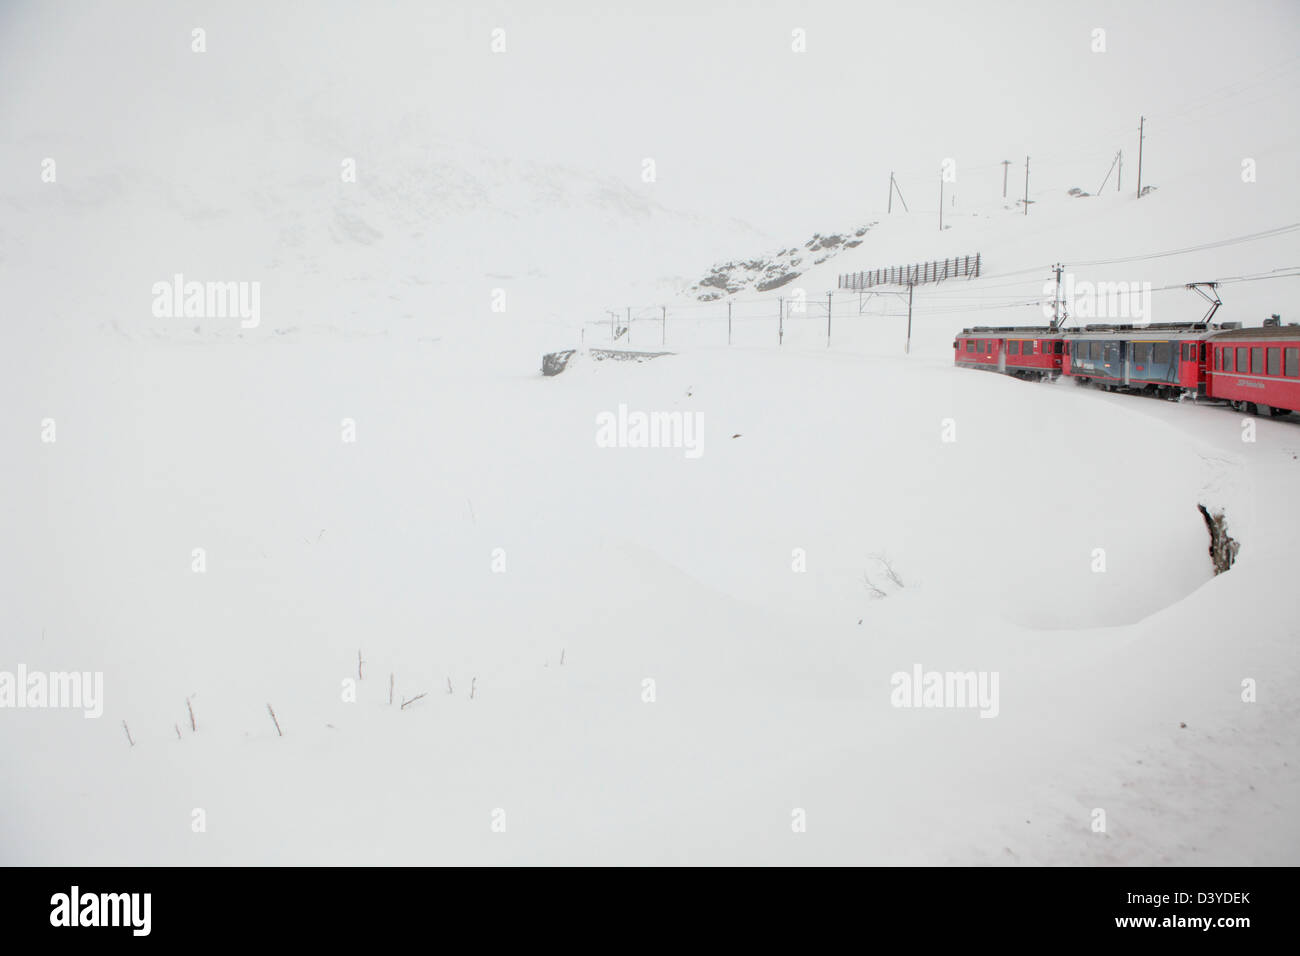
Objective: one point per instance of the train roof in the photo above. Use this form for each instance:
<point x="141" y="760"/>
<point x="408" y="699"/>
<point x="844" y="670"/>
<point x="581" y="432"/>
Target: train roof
<point x="1290" y="333"/>
<point x="1157" y="330"/>
<point x="1035" y="330"/>
<point x="1160" y="332"/>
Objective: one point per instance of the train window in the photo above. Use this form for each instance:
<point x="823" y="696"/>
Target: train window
<point x="1163" y="353"/>
<point x="1096" y="351"/>
<point x="1227" y="359"/>
<point x="1027" y="348"/>
<point x="970" y="345"/>
<point x="1013" y="348"/>
<point x="1257" y="361"/>
<point x="1059" y="346"/>
<point x="1274" y="361"/>
<point x="1202" y="352"/>
<point x="1243" y="359"/>
<point x="1293" y="363"/>
<point x="979" y="345"/>
<point x="1218" y="361"/>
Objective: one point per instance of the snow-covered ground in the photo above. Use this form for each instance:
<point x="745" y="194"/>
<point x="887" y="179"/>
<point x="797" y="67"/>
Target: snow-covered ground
<point x="772" y="687"/>
<point x="627" y="655"/>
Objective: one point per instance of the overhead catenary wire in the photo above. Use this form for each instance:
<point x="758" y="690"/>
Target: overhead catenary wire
<point x="951" y="308"/>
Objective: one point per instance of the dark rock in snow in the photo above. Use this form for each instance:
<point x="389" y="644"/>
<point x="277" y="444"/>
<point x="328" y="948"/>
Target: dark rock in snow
<point x="553" y="363"/>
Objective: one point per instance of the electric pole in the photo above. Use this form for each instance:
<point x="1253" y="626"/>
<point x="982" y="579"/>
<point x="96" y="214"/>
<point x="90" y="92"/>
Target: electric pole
<point x="1108" y="172"/>
<point x="894" y="187"/>
<point x="907" y="349"/>
<point x="1142" y="132"/>
<point x="1026" y="185"/>
<point x="1056" y="301"/>
<point x="1006" y="164"/>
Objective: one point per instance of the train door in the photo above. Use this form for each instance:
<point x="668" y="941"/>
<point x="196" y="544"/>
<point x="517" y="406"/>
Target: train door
<point x="1113" y="358"/>
<point x="1000" y="346"/>
<point x="1189" y="365"/>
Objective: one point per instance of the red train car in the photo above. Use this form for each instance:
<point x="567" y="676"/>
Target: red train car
<point x="1031" y="352"/>
<point x="1255" y="370"/>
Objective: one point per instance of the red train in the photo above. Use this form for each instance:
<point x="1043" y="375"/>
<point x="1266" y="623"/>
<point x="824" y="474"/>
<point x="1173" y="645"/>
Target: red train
<point x="1255" y="370"/>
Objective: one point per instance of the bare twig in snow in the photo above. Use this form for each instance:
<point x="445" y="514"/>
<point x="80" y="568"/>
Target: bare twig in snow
<point x="271" y="711"/>
<point x="193" y="726"/>
<point x="177" y="728"/>
<point x="889" y="569"/>
<point x="128" y="733"/>
<point x="561" y="657"/>
<point x="870" y="585"/>
<point x="414" y="699"/>
<point x="472" y="684"/>
<point x="449" y="690"/>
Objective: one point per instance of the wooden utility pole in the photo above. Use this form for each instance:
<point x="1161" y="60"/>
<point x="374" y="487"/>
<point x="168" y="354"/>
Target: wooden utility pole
<point x="941" y="200"/>
<point x="907" y="349"/>
<point x="1142" y="133"/>
<point x="780" y="321"/>
<point x="1110" y="170"/>
<point x="828" y="319"/>
<point x="1056" y="302"/>
<point x="1026" y="185"/>
<point x="898" y="189"/>
<point x="1006" y="164"/>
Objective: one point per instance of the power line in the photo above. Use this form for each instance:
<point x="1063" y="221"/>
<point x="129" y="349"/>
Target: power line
<point x="1218" y="244"/>
<point x="1032" y="270"/>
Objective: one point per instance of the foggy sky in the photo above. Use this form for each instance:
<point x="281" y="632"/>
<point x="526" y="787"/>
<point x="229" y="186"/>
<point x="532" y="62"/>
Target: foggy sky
<point x="737" y="123"/>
